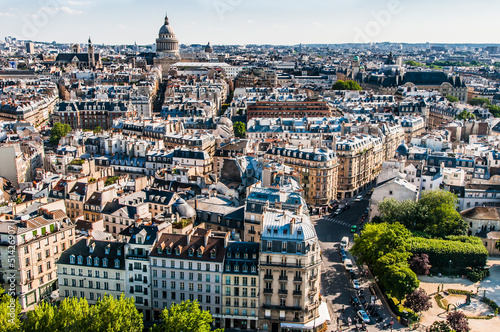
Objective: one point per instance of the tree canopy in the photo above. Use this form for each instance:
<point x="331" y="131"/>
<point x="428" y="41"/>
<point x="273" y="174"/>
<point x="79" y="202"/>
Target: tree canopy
<point x="58" y="131"/>
<point x="452" y="99"/>
<point x="347" y="85"/>
<point x="10" y="310"/>
<point x="465" y="115"/>
<point x="186" y="316"/>
<point x="418" y="301"/>
<point x="76" y="315"/>
<point x="239" y="129"/>
<point x="434" y="213"/>
<point x="458" y="321"/>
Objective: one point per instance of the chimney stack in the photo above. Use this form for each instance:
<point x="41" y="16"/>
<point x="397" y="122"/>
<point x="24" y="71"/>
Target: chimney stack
<point x="188" y="234"/>
<point x="207" y="236"/>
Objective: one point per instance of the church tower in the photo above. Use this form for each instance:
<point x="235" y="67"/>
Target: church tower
<point x="91" y="54"/>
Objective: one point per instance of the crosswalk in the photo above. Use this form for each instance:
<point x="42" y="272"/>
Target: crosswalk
<point x="340" y="222"/>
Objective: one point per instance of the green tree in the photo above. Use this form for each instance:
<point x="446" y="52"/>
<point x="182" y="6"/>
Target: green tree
<point x="465" y="115"/>
<point x="186" y="316"/>
<point x="112" y="315"/>
<point x="58" y="131"/>
<point x="405" y="212"/>
<point x="413" y="63"/>
<point x="239" y="129"/>
<point x="399" y="280"/>
<point x="452" y="99"/>
<point x="97" y="130"/>
<point x="439" y="326"/>
<point x="479" y="101"/>
<point x="43" y="318"/>
<point x="348" y="85"/>
<point x="377" y="240"/>
<point x="442" y="218"/>
<point x="10" y="310"/>
<point x="74" y="315"/>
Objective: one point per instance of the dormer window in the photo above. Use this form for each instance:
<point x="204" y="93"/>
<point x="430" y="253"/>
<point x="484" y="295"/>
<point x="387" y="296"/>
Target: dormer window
<point x="117" y="264"/>
<point x="177" y="252"/>
<point x="237" y="255"/>
<point x="80" y="260"/>
<point x="236" y="268"/>
<point x="212" y="254"/>
<point x="89" y="260"/>
<point x="253" y="269"/>
<point x="246" y="256"/>
<point x="199" y="253"/>
<point x="91" y="248"/>
<point x="106" y="250"/>
<point x="159" y="250"/>
<point x="228" y="254"/>
<point x="105" y="262"/>
<point x="118" y="252"/>
<point x="72" y="259"/>
<point x="169" y="251"/>
<point x="191" y="252"/>
<point x="245" y="268"/>
<point x="228" y="267"/>
<point x="96" y="261"/>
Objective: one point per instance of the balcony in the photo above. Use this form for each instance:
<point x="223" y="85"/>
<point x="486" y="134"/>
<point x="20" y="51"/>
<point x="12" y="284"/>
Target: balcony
<point x="297" y="292"/>
<point x="268" y="277"/>
<point x="283" y="278"/>
<point x="283" y="291"/>
<point x="297" y="279"/>
<point x="268" y="290"/>
<point x="252" y="232"/>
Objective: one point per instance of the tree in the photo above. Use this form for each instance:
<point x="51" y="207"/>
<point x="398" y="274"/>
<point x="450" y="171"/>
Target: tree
<point x="239" y="129"/>
<point x="97" y="129"/>
<point x="43" y="318"/>
<point x="465" y="115"/>
<point x="418" y="301"/>
<point x="479" y="101"/>
<point x="452" y="99"/>
<point x="377" y="240"/>
<point x="442" y="218"/>
<point x="58" y="131"/>
<point x="399" y="280"/>
<point x="112" y="315"/>
<point x="413" y="63"/>
<point x="439" y="326"/>
<point x="348" y="85"/>
<point x="405" y="212"/>
<point x="458" y="321"/>
<point x="420" y="264"/>
<point x="74" y="315"/>
<point x="10" y="310"/>
<point x="186" y="317"/>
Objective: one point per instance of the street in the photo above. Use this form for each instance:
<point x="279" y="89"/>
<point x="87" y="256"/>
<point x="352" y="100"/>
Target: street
<point x="337" y="288"/>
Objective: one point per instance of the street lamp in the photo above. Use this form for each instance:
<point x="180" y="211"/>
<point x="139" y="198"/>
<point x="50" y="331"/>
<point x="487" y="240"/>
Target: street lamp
<point x="449" y="268"/>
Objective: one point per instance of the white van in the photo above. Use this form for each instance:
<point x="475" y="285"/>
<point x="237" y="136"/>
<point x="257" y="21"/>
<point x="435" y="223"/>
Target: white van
<point x="348" y="264"/>
<point x="345" y="242"/>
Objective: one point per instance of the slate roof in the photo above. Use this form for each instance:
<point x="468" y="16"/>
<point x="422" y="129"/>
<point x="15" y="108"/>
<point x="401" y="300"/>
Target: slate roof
<point x="116" y="252"/>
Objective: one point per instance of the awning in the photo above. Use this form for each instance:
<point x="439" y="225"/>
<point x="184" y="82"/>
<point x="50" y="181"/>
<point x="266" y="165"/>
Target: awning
<point x="324" y="316"/>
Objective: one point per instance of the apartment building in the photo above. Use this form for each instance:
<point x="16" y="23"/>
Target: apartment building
<point x="90" y="269"/>
<point x="39" y="240"/>
<point x="189" y="267"/>
<point x="290" y="268"/>
<point x="360" y="158"/>
<point x="288" y="109"/>
<point x="240" y="298"/>
<point x="318" y="170"/>
<point x="122" y="212"/>
<point x="284" y="197"/>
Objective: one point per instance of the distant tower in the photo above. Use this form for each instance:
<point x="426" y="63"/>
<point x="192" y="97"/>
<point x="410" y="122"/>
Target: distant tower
<point x="91" y="55"/>
<point x="166" y="43"/>
<point x="355" y="66"/>
<point x="75" y="48"/>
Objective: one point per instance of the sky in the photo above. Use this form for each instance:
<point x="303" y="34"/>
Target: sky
<point x="281" y="22"/>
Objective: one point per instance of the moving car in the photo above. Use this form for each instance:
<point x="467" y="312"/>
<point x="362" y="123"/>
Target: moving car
<point x="344" y="242"/>
<point x="358" y="198"/>
<point x="337" y="212"/>
<point x="354" y="229"/>
<point x="364" y="316"/>
<point x="355" y="284"/>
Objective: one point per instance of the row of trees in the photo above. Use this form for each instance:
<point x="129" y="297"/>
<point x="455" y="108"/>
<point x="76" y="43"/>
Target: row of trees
<point x="107" y="315"/>
<point x="485" y="102"/>
<point x="434" y="214"/>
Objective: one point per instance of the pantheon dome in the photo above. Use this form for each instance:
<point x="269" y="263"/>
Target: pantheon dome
<point x="166" y="43"/>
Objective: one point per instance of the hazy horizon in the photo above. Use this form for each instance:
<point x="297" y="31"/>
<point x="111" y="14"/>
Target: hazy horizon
<point x="243" y="22"/>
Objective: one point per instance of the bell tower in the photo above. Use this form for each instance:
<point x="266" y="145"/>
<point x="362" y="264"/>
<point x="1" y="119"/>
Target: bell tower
<point x="91" y="54"/>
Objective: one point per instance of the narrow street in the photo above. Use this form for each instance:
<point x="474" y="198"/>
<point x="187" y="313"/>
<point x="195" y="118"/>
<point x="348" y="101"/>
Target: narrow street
<point x="337" y="287"/>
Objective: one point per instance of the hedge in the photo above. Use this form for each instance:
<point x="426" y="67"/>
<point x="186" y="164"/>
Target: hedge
<point x="462" y="253"/>
<point x="400" y="310"/>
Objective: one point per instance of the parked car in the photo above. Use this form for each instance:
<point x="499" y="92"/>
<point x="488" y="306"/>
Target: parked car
<point x="354" y="229"/>
<point x="353" y="274"/>
<point x="364" y="316"/>
<point x="347" y="207"/>
<point x="344" y="257"/>
<point x="358" y="198"/>
<point x="337" y="212"/>
<point x="355" y="284"/>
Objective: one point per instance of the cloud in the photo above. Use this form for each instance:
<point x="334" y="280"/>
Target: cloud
<point x="251" y="21"/>
<point x="70" y="11"/>
<point x="7" y="15"/>
<point x="78" y="3"/>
